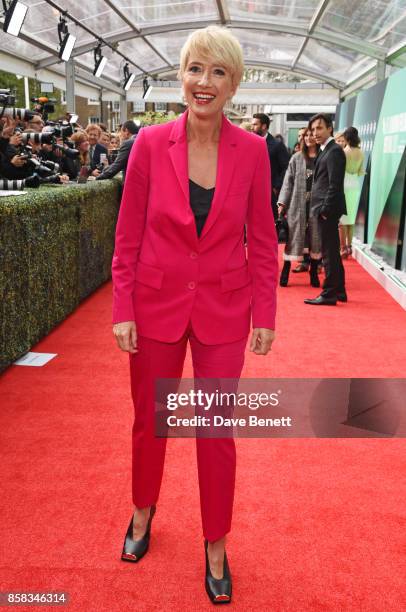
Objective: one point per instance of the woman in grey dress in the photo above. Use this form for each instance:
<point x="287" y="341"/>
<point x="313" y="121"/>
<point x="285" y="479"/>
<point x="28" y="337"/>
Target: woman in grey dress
<point x="294" y="202"/>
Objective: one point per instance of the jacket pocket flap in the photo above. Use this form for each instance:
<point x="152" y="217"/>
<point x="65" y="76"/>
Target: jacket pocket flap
<point x="148" y="275"/>
<point x="234" y="279"/>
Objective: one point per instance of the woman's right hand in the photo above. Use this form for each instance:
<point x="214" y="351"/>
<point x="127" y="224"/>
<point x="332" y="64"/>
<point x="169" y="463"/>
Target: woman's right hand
<point x="126" y="336"/>
<point x="281" y="209"/>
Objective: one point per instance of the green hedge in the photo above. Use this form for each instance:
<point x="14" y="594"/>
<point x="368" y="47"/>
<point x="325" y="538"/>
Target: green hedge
<point x="56" y="246"/>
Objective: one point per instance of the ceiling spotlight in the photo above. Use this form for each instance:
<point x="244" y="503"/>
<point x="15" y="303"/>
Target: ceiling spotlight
<point x="128" y="77"/>
<point x="147" y="88"/>
<point x="14" y="17"/>
<point x="99" y="61"/>
<point x="66" y="40"/>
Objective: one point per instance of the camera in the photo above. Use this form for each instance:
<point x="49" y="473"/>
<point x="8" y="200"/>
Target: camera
<point x="23" y="114"/>
<point x="60" y="129"/>
<point x="44" y="105"/>
<point x="20" y="184"/>
<point x="51" y="165"/>
<point x="41" y="168"/>
<point x="67" y="149"/>
<point x="6" y="99"/>
<point x="37" y="138"/>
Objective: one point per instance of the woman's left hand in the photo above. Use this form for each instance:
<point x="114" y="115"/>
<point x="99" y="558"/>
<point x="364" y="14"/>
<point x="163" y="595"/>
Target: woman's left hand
<point x="261" y="340"/>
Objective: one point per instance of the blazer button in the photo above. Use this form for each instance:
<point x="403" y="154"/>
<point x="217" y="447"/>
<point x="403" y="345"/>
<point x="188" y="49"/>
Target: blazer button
<point x="192" y="285"/>
<point x="193" y="255"/>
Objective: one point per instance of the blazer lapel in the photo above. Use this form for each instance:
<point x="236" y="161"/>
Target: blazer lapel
<point x="179" y="154"/>
<point x="226" y="160"/>
<point x="317" y="162"/>
<point x="322" y="153"/>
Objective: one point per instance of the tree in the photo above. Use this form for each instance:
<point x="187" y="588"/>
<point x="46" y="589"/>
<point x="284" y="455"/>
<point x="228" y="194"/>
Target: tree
<point x="16" y="85"/>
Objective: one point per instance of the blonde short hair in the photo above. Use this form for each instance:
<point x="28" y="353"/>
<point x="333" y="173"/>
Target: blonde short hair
<point x="218" y="44"/>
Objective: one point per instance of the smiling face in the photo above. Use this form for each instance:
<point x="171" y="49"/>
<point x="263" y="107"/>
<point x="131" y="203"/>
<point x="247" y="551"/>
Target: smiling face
<point x="93" y="136"/>
<point x="309" y="139"/>
<point x="207" y="85"/>
<point x="301" y="134"/>
<point x="84" y="146"/>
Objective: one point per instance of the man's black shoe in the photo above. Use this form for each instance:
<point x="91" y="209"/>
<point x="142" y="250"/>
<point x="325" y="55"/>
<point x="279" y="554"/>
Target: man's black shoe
<point x="321" y="301"/>
<point x="342" y="297"/>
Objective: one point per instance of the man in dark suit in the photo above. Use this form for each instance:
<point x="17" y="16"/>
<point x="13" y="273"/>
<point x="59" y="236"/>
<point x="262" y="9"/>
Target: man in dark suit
<point x="93" y="132"/>
<point x="328" y="204"/>
<point x="278" y="156"/>
<point x="128" y="134"/>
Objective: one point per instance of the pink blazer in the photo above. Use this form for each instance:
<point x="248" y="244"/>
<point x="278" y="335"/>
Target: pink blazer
<point x="164" y="275"/>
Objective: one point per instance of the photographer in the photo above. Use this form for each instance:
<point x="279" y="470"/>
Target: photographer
<point x="21" y="157"/>
<point x="7" y="129"/>
<point x="128" y="133"/>
<point x="52" y="151"/>
<point x="48" y="152"/>
<point x="48" y="169"/>
<point x="35" y="124"/>
<point x="12" y="164"/>
<point x="74" y="166"/>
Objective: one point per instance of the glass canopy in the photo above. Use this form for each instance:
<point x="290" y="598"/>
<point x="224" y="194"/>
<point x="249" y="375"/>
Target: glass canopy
<point x="331" y="41"/>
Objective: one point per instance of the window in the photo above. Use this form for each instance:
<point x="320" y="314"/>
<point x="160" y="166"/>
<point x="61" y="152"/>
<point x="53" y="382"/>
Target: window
<point x="138" y="106"/>
<point x="161" y="106"/>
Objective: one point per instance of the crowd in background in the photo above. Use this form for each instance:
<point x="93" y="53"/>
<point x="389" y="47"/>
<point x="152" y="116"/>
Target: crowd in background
<point x="312" y="238"/>
<point x="292" y="181"/>
<point x="33" y="152"/>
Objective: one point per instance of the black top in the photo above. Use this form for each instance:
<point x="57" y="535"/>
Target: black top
<point x="310" y="162"/>
<point x="200" y="203"/>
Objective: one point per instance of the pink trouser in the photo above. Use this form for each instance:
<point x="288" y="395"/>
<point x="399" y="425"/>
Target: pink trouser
<point x="216" y="457"/>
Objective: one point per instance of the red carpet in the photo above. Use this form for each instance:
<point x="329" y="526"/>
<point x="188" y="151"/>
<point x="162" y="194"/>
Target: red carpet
<point x="319" y="524"/>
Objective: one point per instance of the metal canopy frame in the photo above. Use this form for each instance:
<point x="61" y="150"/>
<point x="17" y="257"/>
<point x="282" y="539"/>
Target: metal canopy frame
<point x="329" y="38"/>
<point x="347" y="42"/>
<point x="276" y="67"/>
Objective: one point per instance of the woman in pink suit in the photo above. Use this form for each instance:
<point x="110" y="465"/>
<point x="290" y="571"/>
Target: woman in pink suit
<point x="181" y="273"/>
